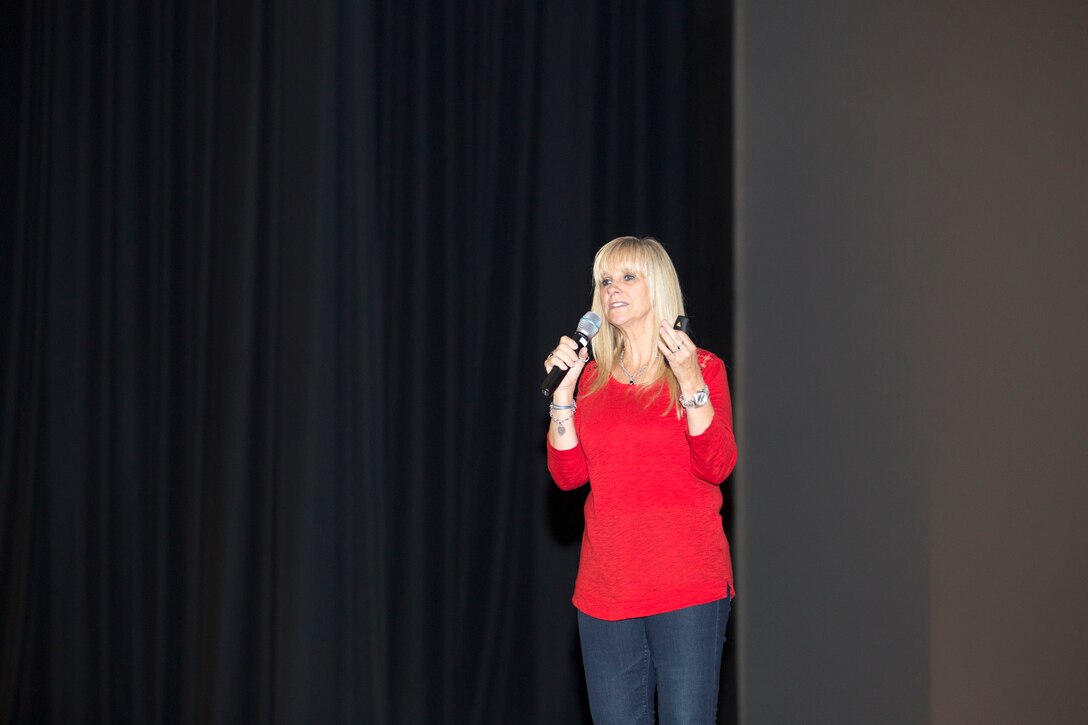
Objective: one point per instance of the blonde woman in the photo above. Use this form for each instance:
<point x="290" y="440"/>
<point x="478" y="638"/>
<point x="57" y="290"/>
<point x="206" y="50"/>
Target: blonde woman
<point x="650" y="429"/>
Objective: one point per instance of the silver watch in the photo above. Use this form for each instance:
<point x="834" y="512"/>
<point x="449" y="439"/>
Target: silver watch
<point x="698" y="400"/>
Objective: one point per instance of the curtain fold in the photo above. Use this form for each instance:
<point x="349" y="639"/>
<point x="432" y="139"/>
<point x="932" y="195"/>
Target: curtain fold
<point x="277" y="278"/>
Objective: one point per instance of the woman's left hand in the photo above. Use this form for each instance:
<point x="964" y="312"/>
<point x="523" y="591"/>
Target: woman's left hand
<point x="680" y="352"/>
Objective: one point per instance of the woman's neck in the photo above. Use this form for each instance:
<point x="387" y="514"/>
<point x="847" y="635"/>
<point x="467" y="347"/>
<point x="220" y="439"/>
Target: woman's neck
<point x="639" y="347"/>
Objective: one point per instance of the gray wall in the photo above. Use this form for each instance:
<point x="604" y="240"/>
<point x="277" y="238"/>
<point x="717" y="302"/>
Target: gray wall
<point x="912" y="307"/>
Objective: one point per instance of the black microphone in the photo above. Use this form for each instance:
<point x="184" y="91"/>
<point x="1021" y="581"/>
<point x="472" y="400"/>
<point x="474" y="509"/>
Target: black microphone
<point x="587" y="328"/>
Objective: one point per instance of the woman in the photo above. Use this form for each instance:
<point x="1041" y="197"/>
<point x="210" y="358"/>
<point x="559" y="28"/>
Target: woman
<point x="652" y="432"/>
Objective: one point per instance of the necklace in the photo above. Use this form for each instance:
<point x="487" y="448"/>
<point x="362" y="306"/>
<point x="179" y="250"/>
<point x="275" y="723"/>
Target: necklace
<point x="632" y="378"/>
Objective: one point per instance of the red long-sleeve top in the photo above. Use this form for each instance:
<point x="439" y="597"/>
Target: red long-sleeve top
<point x="653" y="539"/>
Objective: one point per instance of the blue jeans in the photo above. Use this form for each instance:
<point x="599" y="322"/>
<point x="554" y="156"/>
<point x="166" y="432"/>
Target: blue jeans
<point x="678" y="654"/>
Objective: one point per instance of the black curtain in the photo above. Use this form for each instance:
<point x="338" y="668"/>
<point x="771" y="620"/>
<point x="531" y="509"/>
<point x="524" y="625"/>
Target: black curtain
<point x="278" y="278"/>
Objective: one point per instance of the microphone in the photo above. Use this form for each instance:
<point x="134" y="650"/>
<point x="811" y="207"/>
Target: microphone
<point x="587" y="328"/>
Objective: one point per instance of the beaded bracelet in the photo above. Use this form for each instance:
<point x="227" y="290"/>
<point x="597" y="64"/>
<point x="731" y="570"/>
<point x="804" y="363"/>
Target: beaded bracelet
<point x="552" y="407"/>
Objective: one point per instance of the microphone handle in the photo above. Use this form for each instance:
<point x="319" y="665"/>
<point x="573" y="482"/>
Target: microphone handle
<point x="555" y="375"/>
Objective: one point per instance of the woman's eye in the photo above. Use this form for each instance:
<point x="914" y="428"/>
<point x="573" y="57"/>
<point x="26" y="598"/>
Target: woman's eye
<point x="605" y="282"/>
<point x="628" y="278"/>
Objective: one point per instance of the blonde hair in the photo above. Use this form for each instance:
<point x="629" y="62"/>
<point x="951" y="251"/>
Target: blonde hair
<point x="647" y="258"/>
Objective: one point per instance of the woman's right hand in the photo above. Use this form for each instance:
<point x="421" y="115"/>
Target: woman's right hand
<point x="568" y="357"/>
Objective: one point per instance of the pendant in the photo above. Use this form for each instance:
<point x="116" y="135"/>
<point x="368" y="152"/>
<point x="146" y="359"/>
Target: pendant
<point x="632" y="382"/>
<point x="561" y="429"/>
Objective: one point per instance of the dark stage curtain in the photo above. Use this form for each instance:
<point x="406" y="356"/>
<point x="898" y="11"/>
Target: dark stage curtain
<point x="277" y="281"/>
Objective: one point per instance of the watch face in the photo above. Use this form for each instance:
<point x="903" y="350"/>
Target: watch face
<point x="698" y="399"/>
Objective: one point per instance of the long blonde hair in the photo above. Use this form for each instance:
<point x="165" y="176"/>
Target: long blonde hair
<point x="646" y="257"/>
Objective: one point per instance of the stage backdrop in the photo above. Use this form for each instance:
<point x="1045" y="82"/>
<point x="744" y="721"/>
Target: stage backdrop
<point x="276" y="282"/>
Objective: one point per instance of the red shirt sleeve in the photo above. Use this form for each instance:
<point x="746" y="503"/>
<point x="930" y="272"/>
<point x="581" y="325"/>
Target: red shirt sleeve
<point x="714" y="451"/>
<point x="568" y="468"/>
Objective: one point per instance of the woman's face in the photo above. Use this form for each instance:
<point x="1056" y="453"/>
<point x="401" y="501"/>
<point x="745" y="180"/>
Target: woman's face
<point x="625" y="295"/>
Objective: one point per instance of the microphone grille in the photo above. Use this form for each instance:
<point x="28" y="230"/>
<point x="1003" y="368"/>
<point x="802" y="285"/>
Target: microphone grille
<point x="590" y="324"/>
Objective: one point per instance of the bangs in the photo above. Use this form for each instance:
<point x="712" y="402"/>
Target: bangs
<point x="626" y="254"/>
